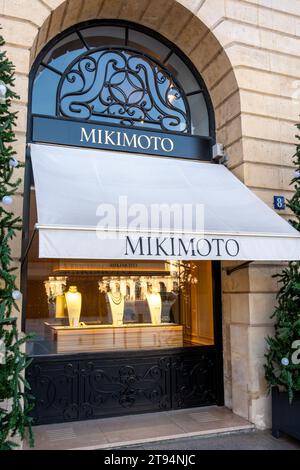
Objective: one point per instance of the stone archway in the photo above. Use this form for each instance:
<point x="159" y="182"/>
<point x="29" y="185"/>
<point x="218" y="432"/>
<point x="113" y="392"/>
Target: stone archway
<point x="194" y="35"/>
<point x="203" y="34"/>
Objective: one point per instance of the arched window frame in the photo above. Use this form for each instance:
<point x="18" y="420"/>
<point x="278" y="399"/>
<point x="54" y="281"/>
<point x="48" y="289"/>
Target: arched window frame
<point x="132" y="26"/>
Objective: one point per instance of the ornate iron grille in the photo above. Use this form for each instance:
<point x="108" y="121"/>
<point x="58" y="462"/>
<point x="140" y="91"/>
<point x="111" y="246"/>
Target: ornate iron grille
<point x="124" y="86"/>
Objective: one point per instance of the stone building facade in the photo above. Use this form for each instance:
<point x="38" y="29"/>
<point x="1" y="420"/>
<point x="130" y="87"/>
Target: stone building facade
<point x="248" y="53"/>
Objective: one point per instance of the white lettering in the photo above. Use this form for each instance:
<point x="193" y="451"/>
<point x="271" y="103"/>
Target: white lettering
<point x="140" y="137"/>
<point x="118" y="138"/>
<point x="128" y="142"/>
<point x="86" y="137"/>
<point x="166" y="215"/>
<point x="155" y="138"/>
<point x="108" y="138"/>
<point x="167" y="140"/>
<point x="121" y="139"/>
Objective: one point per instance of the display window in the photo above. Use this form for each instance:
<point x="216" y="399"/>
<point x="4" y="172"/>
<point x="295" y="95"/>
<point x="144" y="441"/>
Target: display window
<point x="115" y="75"/>
<point x="103" y="305"/>
<point x="89" y="305"/>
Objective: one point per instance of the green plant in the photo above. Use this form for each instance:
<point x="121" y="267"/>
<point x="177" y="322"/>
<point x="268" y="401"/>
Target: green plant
<point x="15" y="404"/>
<point x="280" y="368"/>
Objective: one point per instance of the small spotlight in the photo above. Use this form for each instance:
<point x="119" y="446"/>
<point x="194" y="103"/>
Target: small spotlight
<point x="171" y="97"/>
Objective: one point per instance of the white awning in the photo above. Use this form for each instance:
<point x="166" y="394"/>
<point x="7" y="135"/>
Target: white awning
<point x="96" y="204"/>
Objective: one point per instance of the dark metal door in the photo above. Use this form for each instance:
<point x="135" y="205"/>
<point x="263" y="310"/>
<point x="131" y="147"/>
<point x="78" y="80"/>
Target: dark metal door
<point x="99" y="385"/>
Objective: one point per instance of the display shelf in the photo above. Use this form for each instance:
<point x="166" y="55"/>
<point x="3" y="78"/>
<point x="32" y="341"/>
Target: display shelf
<point x="88" y="338"/>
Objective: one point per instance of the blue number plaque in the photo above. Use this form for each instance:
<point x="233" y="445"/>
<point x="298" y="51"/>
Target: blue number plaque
<point x="279" y="202"/>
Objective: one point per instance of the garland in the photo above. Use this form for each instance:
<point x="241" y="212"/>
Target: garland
<point x="15" y="404"/>
<point x="282" y="366"/>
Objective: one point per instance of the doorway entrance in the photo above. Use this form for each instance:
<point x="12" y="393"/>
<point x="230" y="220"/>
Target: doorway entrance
<point x="143" y="340"/>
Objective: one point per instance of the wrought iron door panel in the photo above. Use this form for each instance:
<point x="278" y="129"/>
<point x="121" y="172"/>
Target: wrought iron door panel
<point x="194" y="380"/>
<point x="54" y="385"/>
<point x="115" y="387"/>
<point x="99" y="385"/>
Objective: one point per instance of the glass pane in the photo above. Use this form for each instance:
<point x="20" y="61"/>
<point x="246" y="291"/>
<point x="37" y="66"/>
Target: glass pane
<point x="129" y="89"/>
<point x="99" y="36"/>
<point x="183" y="74"/>
<point x="44" y="92"/>
<point x="143" y="42"/>
<point x="105" y="305"/>
<point x="119" y="309"/>
<point x="64" y="52"/>
<point x="132" y="90"/>
<point x="197" y="304"/>
<point x="199" y="115"/>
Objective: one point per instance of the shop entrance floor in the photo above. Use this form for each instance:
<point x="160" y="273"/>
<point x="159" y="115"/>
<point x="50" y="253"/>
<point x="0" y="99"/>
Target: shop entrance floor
<point x="138" y="429"/>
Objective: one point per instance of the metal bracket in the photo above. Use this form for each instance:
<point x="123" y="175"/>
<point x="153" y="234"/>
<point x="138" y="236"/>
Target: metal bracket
<point x="218" y="154"/>
<point x="229" y="271"/>
<point x="23" y="259"/>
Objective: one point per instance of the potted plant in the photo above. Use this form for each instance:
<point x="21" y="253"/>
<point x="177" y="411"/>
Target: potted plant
<point x="282" y="368"/>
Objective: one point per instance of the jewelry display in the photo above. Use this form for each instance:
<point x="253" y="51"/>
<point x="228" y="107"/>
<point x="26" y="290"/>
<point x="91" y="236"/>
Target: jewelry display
<point x="129" y="286"/>
<point x="155" y="305"/>
<point x="117" y="304"/>
<point x="116" y="299"/>
<point x="123" y="286"/>
<point x="73" y="299"/>
<point x="55" y="287"/>
<point x="135" y="296"/>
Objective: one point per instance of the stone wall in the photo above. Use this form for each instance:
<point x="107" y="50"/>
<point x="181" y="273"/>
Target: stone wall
<point x="248" y="52"/>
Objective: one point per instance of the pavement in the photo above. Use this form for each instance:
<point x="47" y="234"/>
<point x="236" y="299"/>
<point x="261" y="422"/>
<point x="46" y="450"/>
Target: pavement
<point x="242" y="440"/>
<point x="140" y="429"/>
<point x="208" y="428"/>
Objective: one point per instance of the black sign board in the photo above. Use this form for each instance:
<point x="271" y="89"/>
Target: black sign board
<point x="100" y="136"/>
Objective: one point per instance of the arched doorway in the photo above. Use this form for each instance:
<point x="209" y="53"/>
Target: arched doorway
<point x="122" y="76"/>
